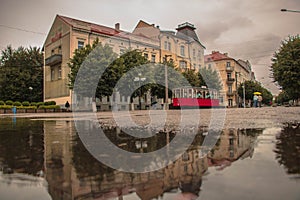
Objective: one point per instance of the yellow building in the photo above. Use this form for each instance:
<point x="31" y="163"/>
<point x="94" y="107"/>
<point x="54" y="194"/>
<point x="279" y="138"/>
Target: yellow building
<point x="232" y="74"/>
<point x="183" y="46"/>
<point x="68" y="34"/>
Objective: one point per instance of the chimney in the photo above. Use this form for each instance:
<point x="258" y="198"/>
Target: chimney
<point x="117" y="26"/>
<point x="225" y="54"/>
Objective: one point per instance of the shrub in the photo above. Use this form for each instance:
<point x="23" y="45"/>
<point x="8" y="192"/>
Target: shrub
<point x="30" y="107"/>
<point x="33" y="104"/>
<point x="49" y="107"/>
<point x="26" y="103"/>
<point x="2" y="103"/>
<point x="6" y="106"/>
<point x="17" y="103"/>
<point x="49" y="103"/>
<point x="9" y="102"/>
<point x="39" y="104"/>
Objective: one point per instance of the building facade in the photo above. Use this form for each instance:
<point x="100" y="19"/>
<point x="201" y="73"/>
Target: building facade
<point x="182" y="47"/>
<point x="68" y="34"/>
<point x="232" y="73"/>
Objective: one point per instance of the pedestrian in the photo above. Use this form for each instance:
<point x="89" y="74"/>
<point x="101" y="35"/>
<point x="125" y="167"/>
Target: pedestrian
<point x="259" y="99"/>
<point x="67" y="105"/>
<point x="255" y="99"/>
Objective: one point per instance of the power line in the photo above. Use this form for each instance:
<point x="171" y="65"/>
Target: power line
<point x="20" y="29"/>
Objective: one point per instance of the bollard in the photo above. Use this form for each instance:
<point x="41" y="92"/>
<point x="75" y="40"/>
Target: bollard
<point x="14" y="110"/>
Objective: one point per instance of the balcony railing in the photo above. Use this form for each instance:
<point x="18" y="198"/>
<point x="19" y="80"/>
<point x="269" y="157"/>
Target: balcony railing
<point x="54" y="59"/>
<point x="229" y="68"/>
<point x="230" y="80"/>
<point x="230" y="93"/>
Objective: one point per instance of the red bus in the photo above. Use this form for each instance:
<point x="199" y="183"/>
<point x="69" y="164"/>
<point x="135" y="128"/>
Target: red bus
<point x="195" y="97"/>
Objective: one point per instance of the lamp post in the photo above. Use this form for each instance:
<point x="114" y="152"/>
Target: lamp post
<point x="244" y="94"/>
<point x="30" y="88"/>
<point x="139" y="79"/>
<point x="286" y="10"/>
<point x="166" y="83"/>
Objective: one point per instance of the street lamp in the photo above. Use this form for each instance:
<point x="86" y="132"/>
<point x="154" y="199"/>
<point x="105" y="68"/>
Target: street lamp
<point x="244" y="94"/>
<point x="286" y="10"/>
<point x="30" y="88"/>
<point x="166" y="83"/>
<point x="139" y="79"/>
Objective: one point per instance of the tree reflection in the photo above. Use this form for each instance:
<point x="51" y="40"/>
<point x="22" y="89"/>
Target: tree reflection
<point x="21" y="149"/>
<point x="288" y="148"/>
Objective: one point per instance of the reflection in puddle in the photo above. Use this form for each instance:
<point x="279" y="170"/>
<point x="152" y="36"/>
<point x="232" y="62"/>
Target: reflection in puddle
<point x="288" y="148"/>
<point x="52" y="151"/>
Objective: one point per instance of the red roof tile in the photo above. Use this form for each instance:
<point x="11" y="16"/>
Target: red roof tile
<point x="216" y="55"/>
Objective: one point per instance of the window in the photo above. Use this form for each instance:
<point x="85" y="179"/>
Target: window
<point x="153" y="58"/>
<point x="52" y="74"/>
<point x="169" y="46"/>
<point x="182" y="50"/>
<point x="228" y="64"/>
<point x="59" y="72"/>
<point x="209" y="66"/>
<point x="166" y="45"/>
<point x="194" y="54"/>
<point x="229" y="89"/>
<point x="146" y="55"/>
<point x="182" y="64"/>
<point x="199" y="54"/>
<point x="228" y="75"/>
<point x="122" y="51"/>
<point x="80" y="44"/>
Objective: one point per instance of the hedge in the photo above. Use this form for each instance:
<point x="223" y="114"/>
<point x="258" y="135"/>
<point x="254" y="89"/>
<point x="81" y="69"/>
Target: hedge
<point x="25" y="103"/>
<point x="49" y="103"/>
<point x="50" y="107"/>
<point x="6" y="106"/>
<point x="9" y="102"/>
<point x="17" y="103"/>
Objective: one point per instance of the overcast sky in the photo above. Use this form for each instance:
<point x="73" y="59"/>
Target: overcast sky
<point x="250" y="30"/>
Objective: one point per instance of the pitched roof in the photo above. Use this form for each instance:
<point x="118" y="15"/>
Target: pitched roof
<point x="215" y="56"/>
<point x="75" y="23"/>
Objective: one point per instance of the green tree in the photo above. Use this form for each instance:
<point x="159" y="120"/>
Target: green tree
<point x="97" y="58"/>
<point x="92" y="59"/>
<point x="251" y="87"/>
<point x="286" y="66"/>
<point x="282" y="97"/>
<point x="21" y="74"/>
<point x="192" y="77"/>
<point x="209" y="78"/>
<point x="129" y="60"/>
<point x="172" y="73"/>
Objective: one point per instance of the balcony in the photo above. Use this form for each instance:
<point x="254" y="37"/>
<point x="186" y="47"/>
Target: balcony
<point x="230" y="80"/>
<point x="230" y="93"/>
<point x="53" y="60"/>
<point x="229" y="68"/>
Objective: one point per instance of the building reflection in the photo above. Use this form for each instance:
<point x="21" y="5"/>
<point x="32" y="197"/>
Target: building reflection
<point x="72" y="173"/>
<point x="234" y="144"/>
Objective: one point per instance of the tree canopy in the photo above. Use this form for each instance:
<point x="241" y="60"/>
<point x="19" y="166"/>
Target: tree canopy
<point x="286" y="66"/>
<point x="209" y="78"/>
<point x="251" y="87"/>
<point x="21" y="74"/>
<point x="98" y="58"/>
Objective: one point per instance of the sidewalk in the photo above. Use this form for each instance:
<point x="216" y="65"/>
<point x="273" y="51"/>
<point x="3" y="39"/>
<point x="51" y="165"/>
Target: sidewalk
<point x="266" y="117"/>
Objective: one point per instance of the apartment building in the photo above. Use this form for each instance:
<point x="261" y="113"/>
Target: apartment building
<point x="182" y="46"/>
<point x="232" y="73"/>
<point x="68" y="34"/>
